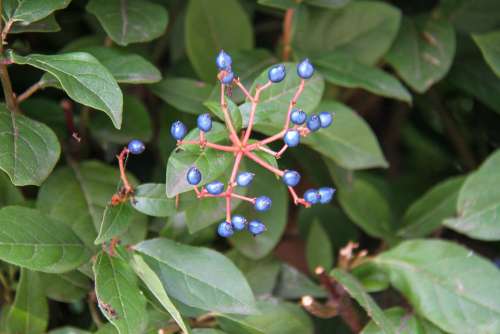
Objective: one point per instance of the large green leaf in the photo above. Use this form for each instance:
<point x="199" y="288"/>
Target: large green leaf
<point x="116" y="220"/>
<point x="48" y="24"/>
<point x="67" y="288"/>
<point x="405" y="323"/>
<point x="9" y="194"/>
<point x="356" y="291"/>
<point x="28" y="11"/>
<point x="83" y="78"/>
<point x="29" y="149"/>
<point x="150" y="199"/>
<point x="478" y="204"/>
<point x="319" y="250"/>
<point x="198" y="277"/>
<point x="118" y="294"/>
<point x="30" y="311"/>
<point x="423" y="51"/>
<point x="293" y="284"/>
<point x="30" y="239"/>
<point x="363" y="29"/>
<point x="342" y="70"/>
<point x="489" y="45"/>
<point x="183" y="94"/>
<point x="232" y="108"/>
<point x="429" y="211"/>
<point x="68" y="330"/>
<point x="470" y="15"/>
<point x="446" y="283"/>
<point x="130" y="21"/>
<point x="212" y="25"/>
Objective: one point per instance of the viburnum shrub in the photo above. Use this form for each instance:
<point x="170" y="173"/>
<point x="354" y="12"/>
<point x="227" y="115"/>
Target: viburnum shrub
<point x="249" y="166"/>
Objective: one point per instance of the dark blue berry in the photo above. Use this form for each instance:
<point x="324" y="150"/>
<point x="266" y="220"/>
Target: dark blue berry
<point x="225" y="230"/>
<point x="292" y="138"/>
<point x="244" y="179"/>
<point x="135" y="146"/>
<point x="313" y="123"/>
<point x="325" y="119"/>
<point x="178" y="130"/>
<point x="226" y="77"/>
<point x="263" y="203"/>
<point x="291" y="178"/>
<point x="256" y="227"/>
<point x="298" y="116"/>
<point x="277" y="73"/>
<point x="204" y="122"/>
<point x="238" y="222"/>
<point x="305" y="69"/>
<point x="193" y="176"/>
<point x="215" y="187"/>
<point x="223" y="61"/>
<point x="311" y="196"/>
<point x="325" y="194"/>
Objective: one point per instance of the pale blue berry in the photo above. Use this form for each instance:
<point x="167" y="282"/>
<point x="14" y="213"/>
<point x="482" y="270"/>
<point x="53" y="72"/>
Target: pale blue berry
<point x="193" y="176"/>
<point x="239" y="222"/>
<point x="178" y="130"/>
<point x="135" y="146"/>
<point x="298" y="116"/>
<point x="311" y="196"/>
<point x="291" y="178"/>
<point x="277" y="73"/>
<point x="313" y="123"/>
<point x="325" y="119"/>
<point x="263" y="203"/>
<point x="225" y="230"/>
<point x="305" y="69"/>
<point x="292" y="138"/>
<point x="223" y="61"/>
<point x="244" y="179"/>
<point x="204" y="122"/>
<point x="325" y="194"/>
<point x="215" y="187"/>
<point x="256" y="227"/>
<point x="226" y="77"/>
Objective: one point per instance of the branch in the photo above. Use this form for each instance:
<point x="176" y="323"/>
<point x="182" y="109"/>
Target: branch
<point x="287" y="33"/>
<point x="30" y="91"/>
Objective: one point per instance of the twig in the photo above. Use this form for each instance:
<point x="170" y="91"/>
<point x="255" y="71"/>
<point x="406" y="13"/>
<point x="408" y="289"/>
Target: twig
<point x="30" y="91"/>
<point x="10" y="97"/>
<point x="287" y="33"/>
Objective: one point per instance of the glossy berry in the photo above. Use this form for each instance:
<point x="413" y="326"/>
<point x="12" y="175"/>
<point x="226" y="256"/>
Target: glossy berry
<point x="223" y="61"/>
<point x="178" y="130"/>
<point x="298" y="116"/>
<point x="239" y="222"/>
<point x="204" y="122"/>
<point x="277" y="73"/>
<point x="226" y="77"/>
<point x="313" y="123"/>
<point x="193" y="176"/>
<point x="325" y="119"/>
<point x="291" y="178"/>
<point x="311" y="196"/>
<point x="305" y="69"/>
<point x="244" y="179"/>
<point x="225" y="230"/>
<point x="256" y="227"/>
<point x="325" y="194"/>
<point x="292" y="138"/>
<point x="215" y="187"/>
<point x="135" y="146"/>
<point x="263" y="203"/>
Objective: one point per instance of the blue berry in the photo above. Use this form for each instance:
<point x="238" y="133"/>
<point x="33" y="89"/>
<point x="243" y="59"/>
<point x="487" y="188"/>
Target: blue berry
<point x="223" y="61"/>
<point x="244" y="179"/>
<point x="325" y="119"/>
<point x="204" y="122"/>
<point x="215" y="187"/>
<point x="263" y="203"/>
<point x="291" y="178"/>
<point x="325" y="194"/>
<point x="311" y="196"/>
<point x="225" y="230"/>
<point x="226" y="77"/>
<point x="305" y="69"/>
<point x="277" y="73"/>
<point x="193" y="176"/>
<point x="298" y="116"/>
<point x="135" y="146"/>
<point x="178" y="130"/>
<point x="292" y="138"/>
<point x="313" y="123"/>
<point x="256" y="227"/>
<point x="238" y="222"/>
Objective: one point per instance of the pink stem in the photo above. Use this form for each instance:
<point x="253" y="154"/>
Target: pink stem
<point x="267" y="150"/>
<point x="211" y="145"/>
<point x="280" y="152"/>
<point x="244" y="198"/>
<point x="243" y="89"/>
<point x="264" y="164"/>
<point x="230" y="185"/>
<point x="255" y="101"/>
<point x="297" y="199"/>
<point x="232" y="132"/>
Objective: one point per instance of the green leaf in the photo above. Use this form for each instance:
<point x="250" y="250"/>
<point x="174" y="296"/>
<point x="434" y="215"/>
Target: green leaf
<point x="30" y="311"/>
<point x="478" y="202"/>
<point x="407" y="323"/>
<point x="293" y="284"/>
<point x="327" y="3"/>
<point x="48" y="24"/>
<point x="48" y="112"/>
<point x="274" y="318"/>
<point x="429" y="211"/>
<point x="470" y="15"/>
<point x="118" y="294"/>
<point x="446" y="283"/>
<point x="30" y="149"/>
<point x="116" y="220"/>
<point x="9" y="194"/>
<point x="212" y="25"/>
<point x="130" y="21"/>
<point x="319" y="250"/>
<point x="363" y="29"/>
<point x="188" y="274"/>
<point x="183" y="94"/>
<point x="150" y="199"/>
<point x="342" y="70"/>
<point x="154" y="284"/>
<point x="28" y="11"/>
<point x="281" y="4"/>
<point x="234" y="111"/>
<point x="356" y="291"/>
<point x="371" y="277"/>
<point x="488" y="43"/>
<point x="423" y="51"/>
<point x="30" y="239"/>
<point x="207" y="331"/>
<point x="68" y="330"/>
<point x="83" y="78"/>
<point x="67" y="288"/>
